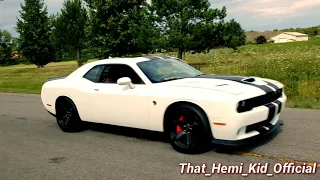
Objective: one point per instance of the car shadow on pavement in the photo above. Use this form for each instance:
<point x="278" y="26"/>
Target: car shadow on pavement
<point x="129" y="132"/>
<point x="159" y="136"/>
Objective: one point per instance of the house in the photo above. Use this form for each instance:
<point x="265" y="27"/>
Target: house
<point x="16" y="55"/>
<point x="290" y="37"/>
<point x="251" y="35"/>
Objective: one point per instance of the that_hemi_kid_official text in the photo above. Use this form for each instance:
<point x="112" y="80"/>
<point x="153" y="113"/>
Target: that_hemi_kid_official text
<point x="254" y="168"/>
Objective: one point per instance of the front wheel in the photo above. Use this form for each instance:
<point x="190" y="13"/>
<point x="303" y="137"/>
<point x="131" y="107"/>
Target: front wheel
<point x="67" y="116"/>
<point x="187" y="130"/>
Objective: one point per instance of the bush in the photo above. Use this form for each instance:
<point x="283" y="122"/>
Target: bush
<point x="270" y="41"/>
<point x="261" y="39"/>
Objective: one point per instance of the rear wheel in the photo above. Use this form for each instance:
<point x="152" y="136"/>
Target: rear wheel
<point x="187" y="128"/>
<point x="67" y="116"/>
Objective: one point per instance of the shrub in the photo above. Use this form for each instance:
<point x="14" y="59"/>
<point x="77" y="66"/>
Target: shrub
<point x="261" y="39"/>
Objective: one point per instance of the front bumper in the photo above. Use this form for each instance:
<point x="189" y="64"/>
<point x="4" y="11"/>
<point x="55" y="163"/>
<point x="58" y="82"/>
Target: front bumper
<point x="264" y="133"/>
<point x="246" y="127"/>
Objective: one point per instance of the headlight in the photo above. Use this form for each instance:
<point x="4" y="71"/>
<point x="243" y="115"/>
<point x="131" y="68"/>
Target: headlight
<point x="243" y="106"/>
<point x="279" y="92"/>
<point x="249" y="104"/>
<point x="242" y="103"/>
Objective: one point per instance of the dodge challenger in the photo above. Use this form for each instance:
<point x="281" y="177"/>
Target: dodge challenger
<point x="165" y="94"/>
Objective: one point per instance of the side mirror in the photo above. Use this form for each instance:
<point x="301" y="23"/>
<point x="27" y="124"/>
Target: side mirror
<point x="125" y="81"/>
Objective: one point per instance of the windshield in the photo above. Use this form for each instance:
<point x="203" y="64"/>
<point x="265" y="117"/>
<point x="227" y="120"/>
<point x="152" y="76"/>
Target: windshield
<point x="161" y="70"/>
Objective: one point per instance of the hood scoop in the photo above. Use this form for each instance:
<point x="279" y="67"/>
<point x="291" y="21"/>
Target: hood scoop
<point x="249" y="80"/>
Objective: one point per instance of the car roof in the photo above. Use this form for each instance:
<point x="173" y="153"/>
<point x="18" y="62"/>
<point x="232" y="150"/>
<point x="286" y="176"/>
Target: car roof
<point x="120" y="60"/>
<point x="128" y="60"/>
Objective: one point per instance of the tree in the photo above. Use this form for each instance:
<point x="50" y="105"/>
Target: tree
<point x="6" y="46"/>
<point x="261" y="39"/>
<point x="57" y="49"/>
<point x="15" y="44"/>
<point x="314" y="31"/>
<point x="204" y="37"/>
<point x="69" y="27"/>
<point x="34" y="29"/>
<point x="234" y="35"/>
<point x="189" y="25"/>
<point x="120" y="28"/>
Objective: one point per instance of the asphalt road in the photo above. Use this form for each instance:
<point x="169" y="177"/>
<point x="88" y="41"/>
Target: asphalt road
<point x="32" y="147"/>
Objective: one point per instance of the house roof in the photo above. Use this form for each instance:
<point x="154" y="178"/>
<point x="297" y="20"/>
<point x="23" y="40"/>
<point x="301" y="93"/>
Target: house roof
<point x="297" y="34"/>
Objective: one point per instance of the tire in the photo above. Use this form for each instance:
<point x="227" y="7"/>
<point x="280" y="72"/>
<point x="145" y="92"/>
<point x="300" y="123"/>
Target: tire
<point x="188" y="130"/>
<point x="67" y="116"/>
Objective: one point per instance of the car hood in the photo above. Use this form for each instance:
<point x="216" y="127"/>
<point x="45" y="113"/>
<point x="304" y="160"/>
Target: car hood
<point x="231" y="84"/>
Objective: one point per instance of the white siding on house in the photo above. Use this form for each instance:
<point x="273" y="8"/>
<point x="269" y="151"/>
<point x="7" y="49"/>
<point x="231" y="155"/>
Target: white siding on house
<point x="281" y="40"/>
<point x="302" y="38"/>
<point x="290" y="37"/>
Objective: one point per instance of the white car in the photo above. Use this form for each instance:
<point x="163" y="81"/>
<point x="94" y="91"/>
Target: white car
<point x="166" y="94"/>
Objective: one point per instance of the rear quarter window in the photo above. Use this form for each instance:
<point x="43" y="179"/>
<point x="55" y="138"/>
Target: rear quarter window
<point x="94" y="73"/>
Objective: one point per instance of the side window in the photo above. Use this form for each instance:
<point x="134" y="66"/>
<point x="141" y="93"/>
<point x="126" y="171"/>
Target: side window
<point x="94" y="73"/>
<point x="112" y="73"/>
<point x="106" y="77"/>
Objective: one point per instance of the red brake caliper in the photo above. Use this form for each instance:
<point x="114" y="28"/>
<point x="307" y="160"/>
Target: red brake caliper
<point x="178" y="127"/>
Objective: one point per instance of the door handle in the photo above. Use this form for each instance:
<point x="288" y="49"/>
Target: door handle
<point x="96" y="89"/>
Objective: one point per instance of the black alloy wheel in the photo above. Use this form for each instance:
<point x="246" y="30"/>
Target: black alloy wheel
<point x="188" y="133"/>
<point x="67" y="116"/>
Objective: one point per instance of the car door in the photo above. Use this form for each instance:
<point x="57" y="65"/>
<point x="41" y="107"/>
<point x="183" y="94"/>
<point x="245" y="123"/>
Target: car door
<point x="86" y="93"/>
<point x="119" y="104"/>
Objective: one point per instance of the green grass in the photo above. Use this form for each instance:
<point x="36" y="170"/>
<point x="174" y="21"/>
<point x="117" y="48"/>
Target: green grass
<point x="29" y="78"/>
<point x="297" y="65"/>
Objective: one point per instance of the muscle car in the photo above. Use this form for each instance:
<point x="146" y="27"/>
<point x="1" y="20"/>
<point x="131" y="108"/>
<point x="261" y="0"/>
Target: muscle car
<point x="165" y="94"/>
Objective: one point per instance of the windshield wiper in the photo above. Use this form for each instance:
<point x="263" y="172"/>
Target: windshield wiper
<point x="171" y="78"/>
<point x="199" y="75"/>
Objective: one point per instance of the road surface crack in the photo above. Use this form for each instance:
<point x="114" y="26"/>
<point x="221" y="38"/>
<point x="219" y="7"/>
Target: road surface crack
<point x="57" y="160"/>
<point x="276" y="158"/>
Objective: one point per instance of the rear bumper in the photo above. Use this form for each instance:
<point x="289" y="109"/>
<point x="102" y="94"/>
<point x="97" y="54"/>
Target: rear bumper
<point x="264" y="133"/>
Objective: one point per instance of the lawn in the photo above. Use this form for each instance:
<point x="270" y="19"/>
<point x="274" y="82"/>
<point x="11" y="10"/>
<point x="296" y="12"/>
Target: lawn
<point x="297" y="65"/>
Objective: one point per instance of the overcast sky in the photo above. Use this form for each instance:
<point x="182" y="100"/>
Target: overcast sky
<point x="252" y="14"/>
